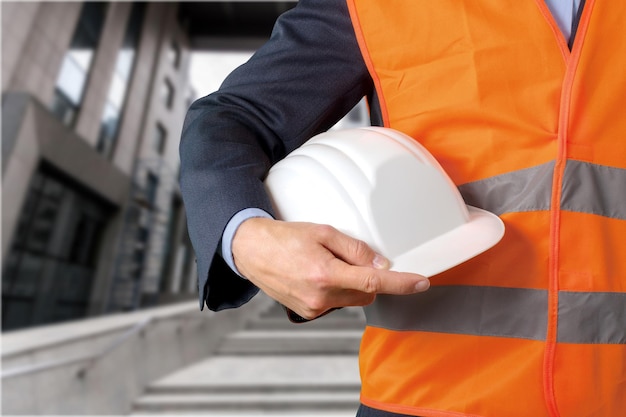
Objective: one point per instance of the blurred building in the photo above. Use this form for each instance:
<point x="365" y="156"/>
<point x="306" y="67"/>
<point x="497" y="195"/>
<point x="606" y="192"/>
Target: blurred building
<point x="93" y="99"/>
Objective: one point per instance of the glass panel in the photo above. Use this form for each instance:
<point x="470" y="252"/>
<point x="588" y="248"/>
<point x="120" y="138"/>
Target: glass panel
<point x="138" y="258"/>
<point x="63" y="108"/>
<point x="152" y="187"/>
<point x="64" y="226"/>
<point x="74" y="283"/>
<point x="56" y="262"/>
<point x="72" y="79"/>
<point x="65" y="312"/>
<point x="119" y="83"/>
<point x="46" y="291"/>
<point x="142" y="235"/>
<point x="37" y="181"/>
<point x="84" y="244"/>
<point x="125" y="60"/>
<point x="108" y="129"/>
<point x="90" y="24"/>
<point x="81" y="59"/>
<point x="27" y="280"/>
<point x="93" y="209"/>
<point x="10" y="270"/>
<point x="167" y="93"/>
<point x="42" y="225"/>
<point x="78" y="60"/>
<point x="25" y="218"/>
<point x="16" y="313"/>
<point x="191" y="94"/>
<point x="174" y="54"/>
<point x="126" y="57"/>
<point x="52" y="189"/>
<point x="159" y="139"/>
<point x="117" y="91"/>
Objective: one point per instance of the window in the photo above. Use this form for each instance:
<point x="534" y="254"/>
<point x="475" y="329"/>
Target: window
<point x="152" y="188"/>
<point x="50" y="266"/>
<point x="174" y="54"/>
<point x="139" y="253"/>
<point x="77" y="62"/>
<point x="108" y="129"/>
<point x="191" y="96"/>
<point x="167" y="94"/>
<point x="160" y="137"/>
<point x="116" y="98"/>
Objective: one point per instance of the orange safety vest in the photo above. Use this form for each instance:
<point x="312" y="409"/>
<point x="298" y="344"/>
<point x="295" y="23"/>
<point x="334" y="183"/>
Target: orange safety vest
<point x="536" y="326"/>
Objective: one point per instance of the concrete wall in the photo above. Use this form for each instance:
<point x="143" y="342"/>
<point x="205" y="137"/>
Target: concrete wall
<point x="35" y="36"/>
<point x="40" y="136"/>
<point x="177" y="336"/>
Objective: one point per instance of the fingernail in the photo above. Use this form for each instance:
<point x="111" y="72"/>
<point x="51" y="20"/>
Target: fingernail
<point x="422" y="285"/>
<point x="380" y="262"/>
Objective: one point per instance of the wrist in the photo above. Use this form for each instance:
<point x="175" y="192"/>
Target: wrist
<point x="232" y="229"/>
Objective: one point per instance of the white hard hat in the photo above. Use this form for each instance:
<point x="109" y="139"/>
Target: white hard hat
<point x="381" y="186"/>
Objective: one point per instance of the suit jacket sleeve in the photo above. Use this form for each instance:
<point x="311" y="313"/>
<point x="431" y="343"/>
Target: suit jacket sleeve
<point x="308" y="75"/>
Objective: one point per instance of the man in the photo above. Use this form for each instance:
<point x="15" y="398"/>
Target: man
<point x="519" y="103"/>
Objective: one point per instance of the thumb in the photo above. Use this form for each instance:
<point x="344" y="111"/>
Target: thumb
<point x="371" y="281"/>
<point x="353" y="251"/>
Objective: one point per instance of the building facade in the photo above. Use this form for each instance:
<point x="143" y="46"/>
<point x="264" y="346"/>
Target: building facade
<point x="93" y="99"/>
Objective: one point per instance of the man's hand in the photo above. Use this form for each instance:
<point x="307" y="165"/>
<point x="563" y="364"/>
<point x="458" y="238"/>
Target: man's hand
<point x="311" y="268"/>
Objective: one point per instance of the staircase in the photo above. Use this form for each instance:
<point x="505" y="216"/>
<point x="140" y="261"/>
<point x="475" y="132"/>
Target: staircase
<point x="271" y="368"/>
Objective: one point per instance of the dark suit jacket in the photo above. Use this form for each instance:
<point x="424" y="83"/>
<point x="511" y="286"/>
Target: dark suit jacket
<point x="308" y="76"/>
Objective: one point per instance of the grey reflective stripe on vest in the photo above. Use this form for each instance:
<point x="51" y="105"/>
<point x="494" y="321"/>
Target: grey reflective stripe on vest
<point x="592" y="317"/>
<point x="587" y="188"/>
<point x="503" y="312"/>
<point x="481" y="311"/>
<point x="524" y="190"/>
<point x="594" y="189"/>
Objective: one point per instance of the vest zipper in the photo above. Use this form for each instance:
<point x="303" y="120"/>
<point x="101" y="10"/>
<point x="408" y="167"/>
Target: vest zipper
<point x="572" y="60"/>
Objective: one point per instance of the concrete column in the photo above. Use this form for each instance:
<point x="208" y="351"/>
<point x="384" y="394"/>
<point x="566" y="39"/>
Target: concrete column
<point x="16" y="176"/>
<point x="48" y="32"/>
<point x="17" y="20"/>
<point x="101" y="74"/>
<point x="140" y="93"/>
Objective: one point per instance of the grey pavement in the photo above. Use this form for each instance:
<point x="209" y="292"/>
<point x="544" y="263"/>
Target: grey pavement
<point x="271" y="368"/>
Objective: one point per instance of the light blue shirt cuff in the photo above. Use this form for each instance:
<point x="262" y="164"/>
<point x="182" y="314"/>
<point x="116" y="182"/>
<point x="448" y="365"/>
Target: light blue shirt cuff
<point x="231" y="228"/>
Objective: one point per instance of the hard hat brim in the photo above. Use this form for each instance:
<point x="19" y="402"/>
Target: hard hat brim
<point x="481" y="232"/>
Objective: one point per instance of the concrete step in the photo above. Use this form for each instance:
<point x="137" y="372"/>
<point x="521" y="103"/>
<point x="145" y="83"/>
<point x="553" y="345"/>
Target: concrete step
<point x="275" y="318"/>
<point x="324" y="323"/>
<point x="250" y="413"/>
<point x="315" y="384"/>
<point x="262" y="372"/>
<point x="279" y="401"/>
<point x="277" y="311"/>
<point x="257" y="342"/>
<point x="253" y="389"/>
